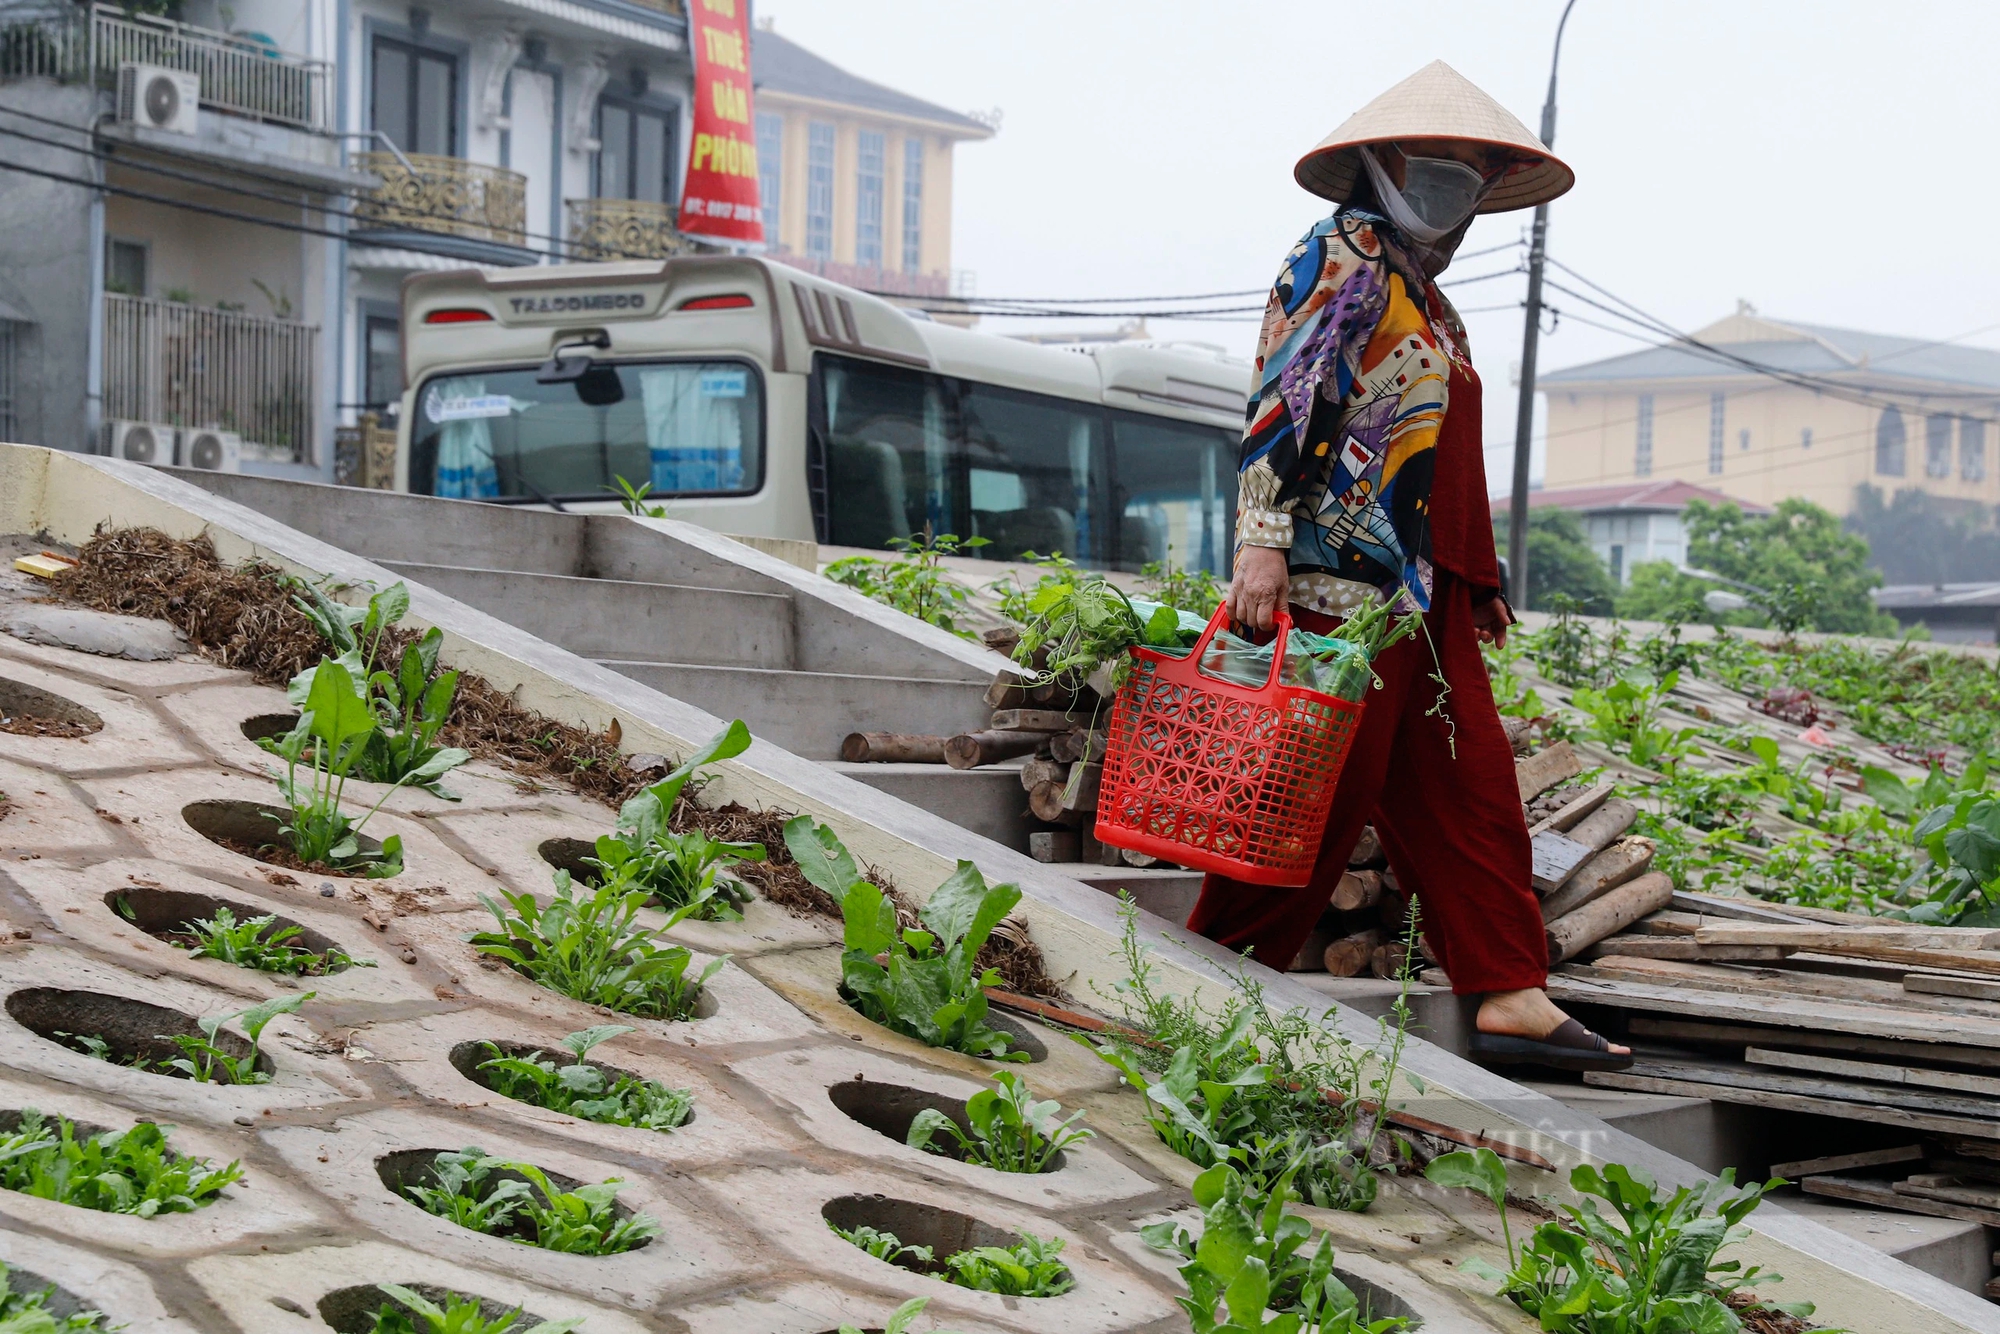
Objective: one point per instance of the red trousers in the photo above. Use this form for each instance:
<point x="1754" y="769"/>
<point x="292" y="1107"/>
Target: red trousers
<point x="1451" y="824"/>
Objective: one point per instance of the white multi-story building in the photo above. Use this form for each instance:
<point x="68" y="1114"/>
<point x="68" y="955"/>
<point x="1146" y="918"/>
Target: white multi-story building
<point x="220" y="250"/>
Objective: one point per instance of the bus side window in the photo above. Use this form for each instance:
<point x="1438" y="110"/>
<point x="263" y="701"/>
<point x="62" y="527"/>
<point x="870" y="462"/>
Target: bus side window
<point x="1177" y="493"/>
<point x="889" y="453"/>
<point x="1036" y="475"/>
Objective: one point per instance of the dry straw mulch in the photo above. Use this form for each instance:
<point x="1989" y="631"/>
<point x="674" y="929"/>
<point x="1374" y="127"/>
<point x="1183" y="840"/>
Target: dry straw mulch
<point x="244" y="618"/>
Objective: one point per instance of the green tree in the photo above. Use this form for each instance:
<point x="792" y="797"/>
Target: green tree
<point x="1560" y="560"/>
<point x="1812" y="572"/>
<point x="1918" y="538"/>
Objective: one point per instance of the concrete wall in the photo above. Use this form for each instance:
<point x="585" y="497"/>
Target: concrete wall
<point x="46" y="258"/>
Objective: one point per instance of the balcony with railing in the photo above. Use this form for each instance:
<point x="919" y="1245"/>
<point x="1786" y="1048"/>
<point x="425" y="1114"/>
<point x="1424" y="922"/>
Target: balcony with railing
<point x="242" y="74"/>
<point x="190" y="366"/>
<point x="423" y="195"/>
<point x="627" y="229"/>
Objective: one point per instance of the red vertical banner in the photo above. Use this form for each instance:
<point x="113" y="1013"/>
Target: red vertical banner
<point x="719" y="198"/>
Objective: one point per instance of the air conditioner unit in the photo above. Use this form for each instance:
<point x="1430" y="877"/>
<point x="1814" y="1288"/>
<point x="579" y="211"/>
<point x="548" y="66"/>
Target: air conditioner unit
<point x="158" y="98"/>
<point x="141" y="442"/>
<point x="212" y="450"/>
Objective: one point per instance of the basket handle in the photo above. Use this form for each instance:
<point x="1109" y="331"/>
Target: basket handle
<point x="1282" y="621"/>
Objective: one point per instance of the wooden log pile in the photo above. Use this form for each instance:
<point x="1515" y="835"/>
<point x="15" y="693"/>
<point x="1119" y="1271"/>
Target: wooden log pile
<point x="1057" y="733"/>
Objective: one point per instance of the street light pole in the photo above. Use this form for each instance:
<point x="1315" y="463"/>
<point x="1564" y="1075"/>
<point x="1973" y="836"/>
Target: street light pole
<point x="1524" y="416"/>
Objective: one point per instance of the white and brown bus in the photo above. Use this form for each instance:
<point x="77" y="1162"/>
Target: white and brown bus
<point x="758" y="399"/>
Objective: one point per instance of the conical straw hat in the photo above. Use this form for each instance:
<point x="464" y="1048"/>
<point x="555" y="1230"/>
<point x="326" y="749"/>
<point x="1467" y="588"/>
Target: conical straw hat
<point x="1437" y="102"/>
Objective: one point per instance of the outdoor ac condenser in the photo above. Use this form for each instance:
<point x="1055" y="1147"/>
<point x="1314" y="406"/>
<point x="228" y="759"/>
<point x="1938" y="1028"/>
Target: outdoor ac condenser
<point x="212" y="450"/>
<point x="141" y="442"/>
<point x="158" y="98"/>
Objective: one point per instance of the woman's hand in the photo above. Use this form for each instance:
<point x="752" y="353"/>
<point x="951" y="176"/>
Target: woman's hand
<point x="1263" y="578"/>
<point x="1490" y="620"/>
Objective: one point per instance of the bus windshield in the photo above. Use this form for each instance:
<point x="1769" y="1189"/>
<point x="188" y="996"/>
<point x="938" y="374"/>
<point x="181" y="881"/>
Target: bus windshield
<point x="688" y="428"/>
<point x="1030" y="473"/>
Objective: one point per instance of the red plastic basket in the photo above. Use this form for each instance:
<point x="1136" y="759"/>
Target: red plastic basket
<point x="1222" y="777"/>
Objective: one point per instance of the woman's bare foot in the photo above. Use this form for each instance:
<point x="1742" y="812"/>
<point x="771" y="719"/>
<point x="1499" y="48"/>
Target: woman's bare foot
<point x="1525" y="1014"/>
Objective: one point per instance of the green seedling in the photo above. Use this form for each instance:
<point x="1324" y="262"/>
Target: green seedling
<point x="204" y="1061"/>
<point x="26" y="1312"/>
<point x="916" y="582"/>
<point x="1195" y="591"/>
<point x="1652" y="1268"/>
<point x="1029" y="1268"/>
<point x="899" y="1319"/>
<point x="458" y="1315"/>
<point x="259" y="943"/>
<point x="583" y="1221"/>
<point x="118" y="1171"/>
<point x="1248" y="1269"/>
<point x="334" y="730"/>
<point x="584" y="1091"/>
<point x="919" y="982"/>
<point x="679" y="870"/>
<point x="1010" y="1130"/>
<point x="593" y="949"/>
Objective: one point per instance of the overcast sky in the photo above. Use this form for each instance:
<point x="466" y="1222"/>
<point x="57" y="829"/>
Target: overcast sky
<point x="1825" y="160"/>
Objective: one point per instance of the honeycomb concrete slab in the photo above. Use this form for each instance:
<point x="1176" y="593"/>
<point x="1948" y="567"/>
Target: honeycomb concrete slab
<point x="104" y="634"/>
<point x="698" y="1247"/>
<point x="301" y="1077"/>
<point x="73" y="905"/>
<point x="282" y="1291"/>
<point x="724" y="1127"/>
<point x="119" y="1290"/>
<point x="262" y="1208"/>
<point x="132" y="733"/>
<point x="363" y="1072"/>
<point x="1093" y="1172"/>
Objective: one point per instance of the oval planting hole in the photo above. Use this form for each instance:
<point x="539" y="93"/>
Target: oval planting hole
<point x="27" y="710"/>
<point x="1377" y="1302"/>
<point x="417" y="1167"/>
<point x="889" y="1108"/>
<point x="945" y="1231"/>
<point x="466" y="1057"/>
<point x="250" y="829"/>
<point x="165" y="913"/>
<point x="352" y="1310"/>
<point x="269" y="726"/>
<point x="1018" y="1033"/>
<point x="130" y="1030"/>
<point x="59" y="1302"/>
<point x="572" y="855"/>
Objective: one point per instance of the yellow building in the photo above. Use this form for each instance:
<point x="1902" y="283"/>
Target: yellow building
<point x="856" y="177"/>
<point x="1816" y="413"/>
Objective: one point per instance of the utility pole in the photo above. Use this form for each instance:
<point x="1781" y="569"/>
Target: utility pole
<point x="1524" y="417"/>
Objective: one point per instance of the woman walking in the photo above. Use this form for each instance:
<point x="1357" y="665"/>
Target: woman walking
<point x="1362" y="474"/>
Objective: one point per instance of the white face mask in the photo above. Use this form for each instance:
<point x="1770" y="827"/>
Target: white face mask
<point x="1438" y="194"/>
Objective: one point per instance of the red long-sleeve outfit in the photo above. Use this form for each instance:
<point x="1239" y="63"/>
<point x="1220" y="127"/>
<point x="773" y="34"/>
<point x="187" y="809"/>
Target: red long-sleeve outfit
<point x="1441" y="794"/>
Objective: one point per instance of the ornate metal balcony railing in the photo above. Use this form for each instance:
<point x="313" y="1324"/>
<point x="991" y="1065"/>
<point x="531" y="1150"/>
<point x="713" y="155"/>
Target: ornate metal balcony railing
<point x="190" y="366"/>
<point x="627" y="229"/>
<point x="444" y="194"/>
<point x="243" y="75"/>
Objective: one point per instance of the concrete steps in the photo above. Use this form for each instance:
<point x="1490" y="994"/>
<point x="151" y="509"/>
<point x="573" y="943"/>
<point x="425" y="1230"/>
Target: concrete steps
<point x="809" y="712"/>
<point x="623" y="618"/>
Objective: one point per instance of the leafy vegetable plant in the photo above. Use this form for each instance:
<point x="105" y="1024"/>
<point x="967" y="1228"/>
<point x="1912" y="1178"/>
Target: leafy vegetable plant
<point x="1247" y="1270"/>
<point x="593" y="949"/>
<point x="678" y="870"/>
<point x="1010" y="1130"/>
<point x="1187" y="590"/>
<point x="584" y="1091"/>
<point x="916" y="583"/>
<point x="898" y="1321"/>
<point x="333" y="732"/>
<point x="23" y="1312"/>
<point x="118" y="1171"/>
<point x="204" y="1061"/>
<point x="1652" y="1269"/>
<point x="1074" y="625"/>
<point x="919" y="982"/>
<point x="1028" y="1268"/>
<point x="458" y="1315"/>
<point x="410" y="703"/>
<point x="259" y="943"/>
<point x="579" y="1222"/>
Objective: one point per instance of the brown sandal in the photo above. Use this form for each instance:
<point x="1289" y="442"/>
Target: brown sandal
<point x="1570" y="1047"/>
